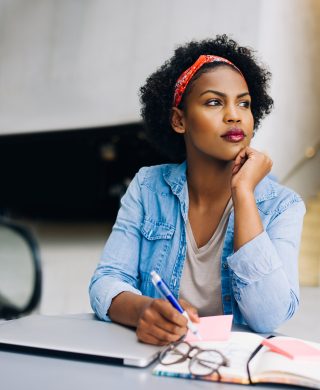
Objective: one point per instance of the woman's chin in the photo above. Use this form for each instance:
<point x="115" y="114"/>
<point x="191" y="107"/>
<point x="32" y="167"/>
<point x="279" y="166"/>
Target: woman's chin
<point x="229" y="155"/>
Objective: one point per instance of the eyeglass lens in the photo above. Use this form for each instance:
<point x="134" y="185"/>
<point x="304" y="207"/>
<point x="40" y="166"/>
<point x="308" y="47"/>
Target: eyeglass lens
<point x="206" y="363"/>
<point x="175" y="353"/>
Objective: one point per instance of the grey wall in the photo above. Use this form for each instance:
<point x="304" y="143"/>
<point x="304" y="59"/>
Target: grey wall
<point x="77" y="63"/>
<point x="68" y="64"/>
<point x="289" y="41"/>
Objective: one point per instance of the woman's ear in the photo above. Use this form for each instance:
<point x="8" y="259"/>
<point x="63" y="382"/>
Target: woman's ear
<point x="177" y="120"/>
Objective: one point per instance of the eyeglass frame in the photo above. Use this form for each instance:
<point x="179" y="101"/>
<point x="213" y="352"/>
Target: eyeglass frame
<point x="184" y="357"/>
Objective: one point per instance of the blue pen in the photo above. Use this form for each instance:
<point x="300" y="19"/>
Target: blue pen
<point x="166" y="293"/>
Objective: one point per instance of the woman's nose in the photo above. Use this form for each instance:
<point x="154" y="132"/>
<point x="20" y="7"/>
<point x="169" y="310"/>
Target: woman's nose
<point x="232" y="114"/>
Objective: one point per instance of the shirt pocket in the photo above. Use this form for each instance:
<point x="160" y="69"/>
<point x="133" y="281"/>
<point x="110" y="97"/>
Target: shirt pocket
<point x="156" y="230"/>
<point x="156" y="246"/>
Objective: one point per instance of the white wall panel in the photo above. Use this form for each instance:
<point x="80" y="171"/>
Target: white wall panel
<point x="289" y="41"/>
<point x="67" y="64"/>
<point x="79" y="63"/>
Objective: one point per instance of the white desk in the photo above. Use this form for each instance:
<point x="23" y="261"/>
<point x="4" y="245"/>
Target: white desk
<point x="28" y="371"/>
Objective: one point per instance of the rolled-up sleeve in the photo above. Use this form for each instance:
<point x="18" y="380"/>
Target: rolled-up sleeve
<point x="264" y="271"/>
<point x="118" y="267"/>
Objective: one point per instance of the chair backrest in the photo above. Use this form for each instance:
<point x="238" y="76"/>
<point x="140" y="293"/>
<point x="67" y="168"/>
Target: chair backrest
<point x="20" y="270"/>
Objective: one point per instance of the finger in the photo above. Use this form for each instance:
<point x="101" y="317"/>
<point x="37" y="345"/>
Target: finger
<point x="241" y="156"/>
<point x="153" y="317"/>
<point x="237" y="166"/>
<point x="168" y="312"/>
<point x="193" y="315"/>
<point x="149" y="339"/>
<point x="236" y="169"/>
<point x="251" y="153"/>
<point x="156" y="332"/>
<point x="191" y="310"/>
<point x="162" y="335"/>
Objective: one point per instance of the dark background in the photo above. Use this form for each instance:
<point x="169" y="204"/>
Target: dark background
<point x="71" y="175"/>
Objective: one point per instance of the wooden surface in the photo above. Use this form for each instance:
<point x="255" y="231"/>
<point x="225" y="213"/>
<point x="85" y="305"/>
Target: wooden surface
<point x="309" y="262"/>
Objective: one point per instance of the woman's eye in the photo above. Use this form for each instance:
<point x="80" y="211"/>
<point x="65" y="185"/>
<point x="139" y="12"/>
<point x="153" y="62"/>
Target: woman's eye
<point x="213" y="102"/>
<point x="245" y="103"/>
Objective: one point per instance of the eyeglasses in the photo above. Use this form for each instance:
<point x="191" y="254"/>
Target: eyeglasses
<point x="203" y="362"/>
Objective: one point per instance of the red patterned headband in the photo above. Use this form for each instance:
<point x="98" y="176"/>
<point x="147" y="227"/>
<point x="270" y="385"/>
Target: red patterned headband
<point x="187" y="75"/>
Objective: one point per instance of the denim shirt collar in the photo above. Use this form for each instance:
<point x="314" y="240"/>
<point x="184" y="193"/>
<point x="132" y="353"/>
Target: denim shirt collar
<point x="176" y="177"/>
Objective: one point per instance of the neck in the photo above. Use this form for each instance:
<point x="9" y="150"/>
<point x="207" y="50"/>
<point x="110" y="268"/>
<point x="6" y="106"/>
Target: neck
<point x="208" y="179"/>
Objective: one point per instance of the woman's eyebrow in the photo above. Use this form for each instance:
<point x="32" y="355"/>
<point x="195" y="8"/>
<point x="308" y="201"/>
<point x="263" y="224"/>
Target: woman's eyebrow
<point x="223" y="94"/>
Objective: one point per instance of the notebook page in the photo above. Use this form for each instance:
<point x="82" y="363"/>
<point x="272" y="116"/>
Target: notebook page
<point x="269" y="364"/>
<point x="237" y="349"/>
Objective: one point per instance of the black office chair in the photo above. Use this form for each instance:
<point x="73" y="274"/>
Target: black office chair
<point x="20" y="270"/>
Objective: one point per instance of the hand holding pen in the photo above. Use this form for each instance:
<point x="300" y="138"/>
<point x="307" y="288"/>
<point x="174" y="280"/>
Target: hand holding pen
<point x="160" y="323"/>
<point x="167" y="294"/>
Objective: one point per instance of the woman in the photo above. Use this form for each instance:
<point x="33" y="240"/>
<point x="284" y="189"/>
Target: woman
<point x="223" y="235"/>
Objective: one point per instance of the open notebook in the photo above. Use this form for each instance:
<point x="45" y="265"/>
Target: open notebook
<point x="266" y="366"/>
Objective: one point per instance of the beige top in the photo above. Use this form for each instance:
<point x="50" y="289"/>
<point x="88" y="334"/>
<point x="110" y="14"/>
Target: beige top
<point x="201" y="281"/>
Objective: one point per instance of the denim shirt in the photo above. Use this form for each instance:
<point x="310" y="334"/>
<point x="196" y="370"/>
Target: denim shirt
<point x="259" y="282"/>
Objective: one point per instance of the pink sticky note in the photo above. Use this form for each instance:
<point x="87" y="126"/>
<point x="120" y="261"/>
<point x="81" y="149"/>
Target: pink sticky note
<point x="293" y="349"/>
<point x="215" y="328"/>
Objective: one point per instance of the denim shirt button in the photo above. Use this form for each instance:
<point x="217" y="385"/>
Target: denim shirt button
<point x="225" y="266"/>
<point x="227" y="298"/>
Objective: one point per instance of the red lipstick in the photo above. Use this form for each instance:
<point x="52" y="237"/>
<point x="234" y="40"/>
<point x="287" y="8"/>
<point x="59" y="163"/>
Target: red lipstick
<point x="234" y="135"/>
